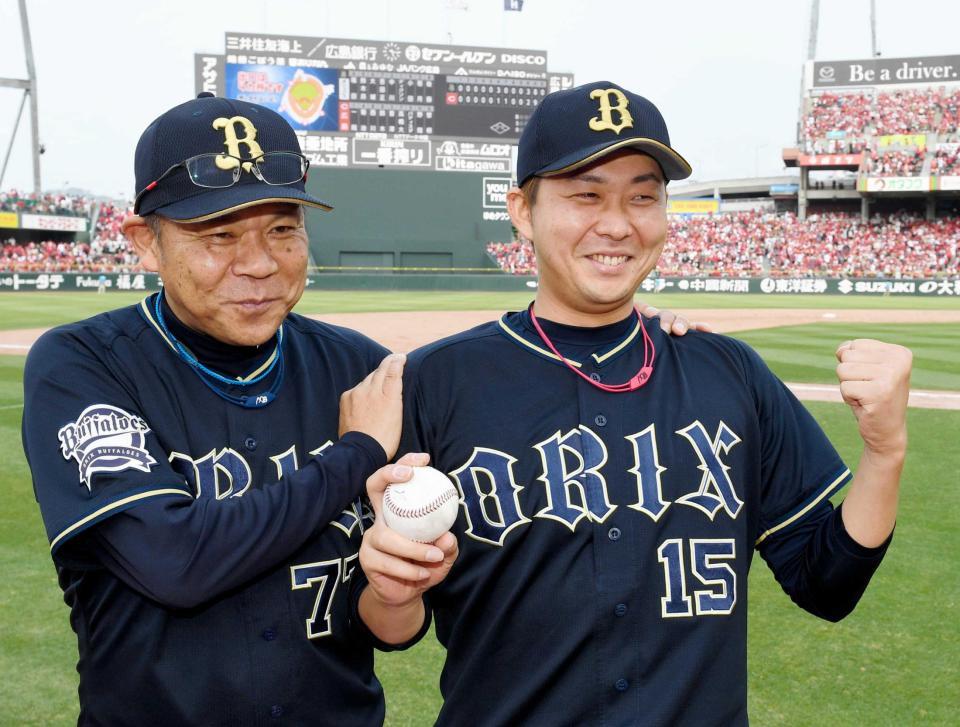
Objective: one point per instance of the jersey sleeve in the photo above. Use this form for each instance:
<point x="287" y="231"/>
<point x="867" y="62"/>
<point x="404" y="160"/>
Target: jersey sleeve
<point x="91" y="451"/>
<point x="185" y="553"/>
<point x="799" y="467"/>
<point x="417" y="433"/>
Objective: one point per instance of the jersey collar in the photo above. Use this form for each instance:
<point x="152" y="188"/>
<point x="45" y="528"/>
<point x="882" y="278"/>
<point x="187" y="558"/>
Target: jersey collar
<point x="146" y="307"/>
<point x="594" y="346"/>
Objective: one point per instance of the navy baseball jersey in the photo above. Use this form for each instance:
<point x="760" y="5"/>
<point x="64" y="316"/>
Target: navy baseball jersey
<point x="235" y="610"/>
<point x="605" y="538"/>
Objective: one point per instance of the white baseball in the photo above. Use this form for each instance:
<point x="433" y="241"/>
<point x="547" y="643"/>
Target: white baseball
<point x="423" y="508"/>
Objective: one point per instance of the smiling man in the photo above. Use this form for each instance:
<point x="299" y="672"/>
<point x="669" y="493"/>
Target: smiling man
<point x="197" y="469"/>
<point x="616" y="482"/>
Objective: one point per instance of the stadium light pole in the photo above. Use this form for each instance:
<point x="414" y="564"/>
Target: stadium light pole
<point x="29" y="87"/>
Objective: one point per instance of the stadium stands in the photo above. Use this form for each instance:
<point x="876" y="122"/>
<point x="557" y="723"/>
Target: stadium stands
<point x="51" y="204"/>
<point x="848" y="123"/>
<point x="754" y="244"/>
<point x="898" y="163"/>
<point x="108" y="251"/>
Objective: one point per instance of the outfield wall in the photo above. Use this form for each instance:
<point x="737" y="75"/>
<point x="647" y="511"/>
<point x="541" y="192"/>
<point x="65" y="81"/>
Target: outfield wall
<point x="390" y="218"/>
<point x="932" y="288"/>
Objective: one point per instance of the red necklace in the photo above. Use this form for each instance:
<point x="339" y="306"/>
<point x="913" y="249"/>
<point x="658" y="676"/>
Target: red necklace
<point x="642" y="376"/>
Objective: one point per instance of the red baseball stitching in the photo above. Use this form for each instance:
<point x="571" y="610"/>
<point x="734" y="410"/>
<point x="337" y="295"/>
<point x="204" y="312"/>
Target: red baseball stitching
<point x="426" y="509"/>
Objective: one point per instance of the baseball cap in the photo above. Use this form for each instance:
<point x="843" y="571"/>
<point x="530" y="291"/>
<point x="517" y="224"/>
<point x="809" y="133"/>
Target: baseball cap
<point x="210" y="125"/>
<point x="572" y="128"/>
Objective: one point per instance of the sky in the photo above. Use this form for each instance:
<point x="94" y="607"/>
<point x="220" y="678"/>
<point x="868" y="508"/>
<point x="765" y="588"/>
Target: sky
<point x="726" y="75"/>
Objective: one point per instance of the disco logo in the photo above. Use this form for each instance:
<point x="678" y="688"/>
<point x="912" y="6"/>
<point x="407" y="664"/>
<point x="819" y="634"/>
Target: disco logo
<point x="304" y="97"/>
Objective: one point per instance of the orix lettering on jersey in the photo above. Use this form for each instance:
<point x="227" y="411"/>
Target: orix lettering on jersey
<point x="105" y="438"/>
<point x="224" y="473"/>
<point x="575" y="485"/>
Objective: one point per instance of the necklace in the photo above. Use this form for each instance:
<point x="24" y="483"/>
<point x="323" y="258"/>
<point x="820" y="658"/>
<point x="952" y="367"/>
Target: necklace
<point x="211" y="378"/>
<point x="639" y="379"/>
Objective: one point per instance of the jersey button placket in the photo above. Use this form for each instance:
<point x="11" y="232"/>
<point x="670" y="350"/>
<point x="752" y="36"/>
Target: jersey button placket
<point x="276" y="711"/>
<point x="250" y="444"/>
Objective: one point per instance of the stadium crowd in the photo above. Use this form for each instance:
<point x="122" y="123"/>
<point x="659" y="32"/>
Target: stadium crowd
<point x="947" y="161"/>
<point x="755" y="244"/>
<point x="837" y="123"/>
<point x="108" y="252"/>
<point x="898" y="163"/>
<point x="44" y="204"/>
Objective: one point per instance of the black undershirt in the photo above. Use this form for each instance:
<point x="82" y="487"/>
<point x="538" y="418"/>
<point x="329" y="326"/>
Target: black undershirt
<point x="222" y="357"/>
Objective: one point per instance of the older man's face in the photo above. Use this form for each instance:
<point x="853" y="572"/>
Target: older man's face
<point x="235" y="277"/>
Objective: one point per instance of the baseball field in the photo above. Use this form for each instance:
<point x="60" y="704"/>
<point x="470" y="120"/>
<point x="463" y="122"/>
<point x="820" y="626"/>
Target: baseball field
<point x="894" y="661"/>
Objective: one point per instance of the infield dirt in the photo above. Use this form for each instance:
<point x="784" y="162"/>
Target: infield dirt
<point x="406" y="330"/>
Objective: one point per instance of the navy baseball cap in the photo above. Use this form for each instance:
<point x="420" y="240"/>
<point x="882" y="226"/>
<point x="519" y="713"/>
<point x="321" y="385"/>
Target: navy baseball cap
<point x="210" y="125"/>
<point x="572" y="128"/>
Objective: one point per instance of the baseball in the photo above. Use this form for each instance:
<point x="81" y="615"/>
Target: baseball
<point x="423" y="508"/>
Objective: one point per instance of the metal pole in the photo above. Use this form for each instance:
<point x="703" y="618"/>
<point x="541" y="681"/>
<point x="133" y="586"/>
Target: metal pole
<point x="812" y="38"/>
<point x="13" y="136"/>
<point x="32" y="78"/>
<point x="873" y="29"/>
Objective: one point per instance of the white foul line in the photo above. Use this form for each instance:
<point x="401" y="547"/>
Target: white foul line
<point x="924" y="399"/>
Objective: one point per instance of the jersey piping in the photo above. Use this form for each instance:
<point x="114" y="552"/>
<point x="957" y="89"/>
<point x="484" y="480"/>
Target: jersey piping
<point x="98" y="514"/>
<point x="600" y="358"/>
<point x="827" y="491"/>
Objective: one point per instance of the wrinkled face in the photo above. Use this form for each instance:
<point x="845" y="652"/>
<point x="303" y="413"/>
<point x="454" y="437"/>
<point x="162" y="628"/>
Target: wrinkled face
<point x="235" y="277"/>
<point x="597" y="232"/>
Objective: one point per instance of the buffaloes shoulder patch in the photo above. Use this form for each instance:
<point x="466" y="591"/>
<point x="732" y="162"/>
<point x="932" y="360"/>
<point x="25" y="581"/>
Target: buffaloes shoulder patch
<point x="106" y="439"/>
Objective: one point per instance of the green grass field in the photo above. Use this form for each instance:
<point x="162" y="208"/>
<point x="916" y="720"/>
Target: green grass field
<point x="34" y="310"/>
<point x="894" y="661"/>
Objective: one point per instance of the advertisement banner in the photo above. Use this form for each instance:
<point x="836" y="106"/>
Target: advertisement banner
<point x="693" y="206"/>
<point x="784" y="190"/>
<point x="17" y="282"/>
<point x="53" y="222"/>
<point x="893" y="184"/>
<point x="934" y="288"/>
<point x="306" y="97"/>
<point x="917" y="140"/>
<point x="941" y="287"/>
<point x="375" y="55"/>
<point x="495" y="192"/>
<point x="886" y="71"/>
<point x="830" y="160"/>
<point x="208" y="73"/>
<point x="8" y="219"/>
<point x="949" y="183"/>
<point x="392" y="152"/>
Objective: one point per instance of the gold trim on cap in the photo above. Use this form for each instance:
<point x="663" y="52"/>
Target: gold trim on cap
<point x="635" y="141"/>
<point x="245" y="205"/>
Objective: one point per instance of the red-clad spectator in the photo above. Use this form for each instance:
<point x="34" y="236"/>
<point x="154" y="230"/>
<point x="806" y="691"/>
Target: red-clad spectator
<point x="754" y="244"/>
<point x="947" y="161"/>
<point x="898" y="163"/>
<point x="44" y="204"/>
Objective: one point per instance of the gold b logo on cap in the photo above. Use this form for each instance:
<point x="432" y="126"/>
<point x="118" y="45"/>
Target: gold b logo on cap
<point x="233" y="141"/>
<point x="607" y="109"/>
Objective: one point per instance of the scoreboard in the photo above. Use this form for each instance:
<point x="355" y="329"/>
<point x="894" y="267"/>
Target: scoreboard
<point x="384" y="104"/>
